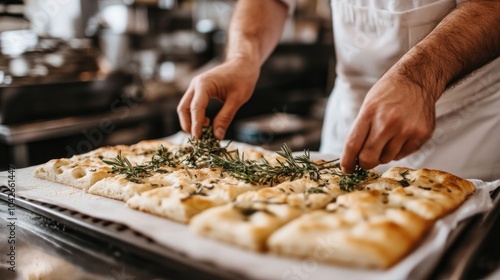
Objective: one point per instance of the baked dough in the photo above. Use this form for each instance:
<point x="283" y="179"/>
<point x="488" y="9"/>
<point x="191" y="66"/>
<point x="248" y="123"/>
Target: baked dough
<point x="181" y="201"/>
<point x="375" y="225"/>
<point x="76" y="173"/>
<point x="245" y="227"/>
<point x="362" y="236"/>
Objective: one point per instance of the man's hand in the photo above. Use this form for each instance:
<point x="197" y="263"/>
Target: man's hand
<point x="232" y="83"/>
<point x="255" y="30"/>
<point x="395" y="120"/>
<point x="398" y="114"/>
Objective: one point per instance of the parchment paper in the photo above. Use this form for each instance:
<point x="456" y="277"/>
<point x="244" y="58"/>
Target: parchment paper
<point x="255" y="265"/>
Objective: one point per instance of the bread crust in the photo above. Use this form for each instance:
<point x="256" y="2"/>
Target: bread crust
<point x="374" y="226"/>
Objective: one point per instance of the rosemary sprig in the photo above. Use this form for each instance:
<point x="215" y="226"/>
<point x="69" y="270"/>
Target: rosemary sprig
<point x="163" y="157"/>
<point x="262" y="172"/>
<point x="121" y="165"/>
<point x="199" y="151"/>
<point x="348" y="182"/>
<point x="207" y="152"/>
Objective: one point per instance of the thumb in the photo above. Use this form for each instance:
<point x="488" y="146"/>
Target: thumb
<point x="224" y="118"/>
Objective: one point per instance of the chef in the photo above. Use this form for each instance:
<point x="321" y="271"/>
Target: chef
<point x="418" y="82"/>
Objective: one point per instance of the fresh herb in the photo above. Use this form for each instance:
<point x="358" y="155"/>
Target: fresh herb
<point x="200" y="151"/>
<point x="315" y="190"/>
<point x="207" y="152"/>
<point x="247" y="211"/>
<point x="163" y="157"/>
<point x="121" y="165"/>
<point x="262" y="172"/>
<point x="405" y="181"/>
<point x="425" y="188"/>
<point x="347" y="182"/>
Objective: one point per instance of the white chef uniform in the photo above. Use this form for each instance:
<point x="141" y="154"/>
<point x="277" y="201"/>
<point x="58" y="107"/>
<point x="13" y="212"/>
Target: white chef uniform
<point x="370" y="36"/>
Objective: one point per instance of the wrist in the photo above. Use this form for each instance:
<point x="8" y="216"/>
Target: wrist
<point x="247" y="62"/>
<point x="418" y="68"/>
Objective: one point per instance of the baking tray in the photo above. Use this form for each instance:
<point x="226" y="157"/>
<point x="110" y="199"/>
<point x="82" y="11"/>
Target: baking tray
<point x="120" y="235"/>
<point x="130" y="240"/>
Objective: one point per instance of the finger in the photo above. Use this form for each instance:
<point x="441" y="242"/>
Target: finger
<point x="224" y="118"/>
<point x="206" y="122"/>
<point x="197" y="109"/>
<point x="371" y="151"/>
<point x="183" y="109"/>
<point x="391" y="150"/>
<point x="408" y="148"/>
<point x="354" y="142"/>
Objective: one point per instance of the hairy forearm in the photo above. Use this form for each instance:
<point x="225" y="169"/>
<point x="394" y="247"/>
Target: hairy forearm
<point x="468" y="38"/>
<point x="255" y="29"/>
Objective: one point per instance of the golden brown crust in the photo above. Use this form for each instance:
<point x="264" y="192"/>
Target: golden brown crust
<point x="368" y="235"/>
<point x="375" y="225"/>
<point x="247" y="228"/>
<point x="80" y="174"/>
<point x="429" y="193"/>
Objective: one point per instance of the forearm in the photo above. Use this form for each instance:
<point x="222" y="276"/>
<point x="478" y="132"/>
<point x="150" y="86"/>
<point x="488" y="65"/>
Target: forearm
<point x="468" y="38"/>
<point x="255" y="29"/>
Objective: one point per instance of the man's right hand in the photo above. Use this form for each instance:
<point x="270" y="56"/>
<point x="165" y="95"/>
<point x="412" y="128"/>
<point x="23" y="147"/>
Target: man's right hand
<point x="232" y="83"/>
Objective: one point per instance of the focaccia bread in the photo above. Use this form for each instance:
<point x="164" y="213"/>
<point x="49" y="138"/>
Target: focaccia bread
<point x="301" y="193"/>
<point x="366" y="235"/>
<point x="245" y="227"/>
<point x="270" y="202"/>
<point x="84" y="170"/>
<point x="181" y="202"/>
<point x="361" y="228"/>
<point x="76" y="173"/>
<point x="429" y="193"/>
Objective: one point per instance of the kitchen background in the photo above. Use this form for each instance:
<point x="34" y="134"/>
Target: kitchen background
<point x="79" y="74"/>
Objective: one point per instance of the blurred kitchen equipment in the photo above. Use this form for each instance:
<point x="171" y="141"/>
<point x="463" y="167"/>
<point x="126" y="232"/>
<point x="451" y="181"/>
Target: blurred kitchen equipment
<point x="271" y="131"/>
<point x="48" y="77"/>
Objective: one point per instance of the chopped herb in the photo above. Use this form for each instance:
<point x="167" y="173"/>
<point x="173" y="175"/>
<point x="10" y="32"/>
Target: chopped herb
<point x="404" y="183"/>
<point x="315" y="190"/>
<point x="247" y="211"/>
<point x="425" y="188"/>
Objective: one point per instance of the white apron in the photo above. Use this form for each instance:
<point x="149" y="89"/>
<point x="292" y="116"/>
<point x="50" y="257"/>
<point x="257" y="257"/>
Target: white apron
<point x="370" y="36"/>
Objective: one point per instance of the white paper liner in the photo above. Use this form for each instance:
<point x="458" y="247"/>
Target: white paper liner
<point x="254" y="265"/>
